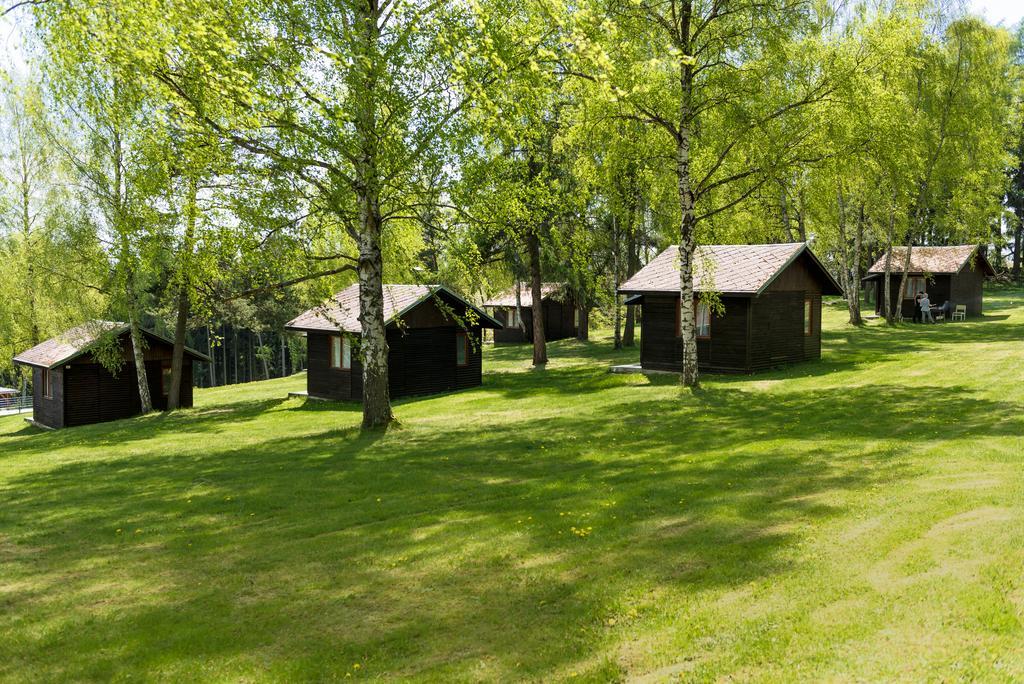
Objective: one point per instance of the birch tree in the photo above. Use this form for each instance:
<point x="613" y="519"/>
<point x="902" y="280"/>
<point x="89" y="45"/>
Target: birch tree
<point x="713" y="78"/>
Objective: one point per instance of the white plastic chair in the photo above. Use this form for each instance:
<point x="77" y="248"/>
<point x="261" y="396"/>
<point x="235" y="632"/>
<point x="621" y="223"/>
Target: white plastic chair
<point x="960" y="313"/>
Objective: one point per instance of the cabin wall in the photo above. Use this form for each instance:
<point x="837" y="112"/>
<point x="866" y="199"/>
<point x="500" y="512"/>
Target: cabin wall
<point x="559" y="322"/>
<point x="559" y="319"/>
<point x="724" y="352"/>
<point x="324" y="381"/>
<point x="420" y="361"/>
<point x="48" y="412"/>
<point x="95" y="395"/>
<point x="777" y="329"/>
<point x="511" y="334"/>
<point x="966" y="287"/>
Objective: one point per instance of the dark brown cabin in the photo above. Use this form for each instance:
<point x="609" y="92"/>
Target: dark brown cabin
<point x="69" y="386"/>
<point x="953" y="274"/>
<point x="772" y="307"/>
<point x="433" y="337"/>
<point x="561" y="315"/>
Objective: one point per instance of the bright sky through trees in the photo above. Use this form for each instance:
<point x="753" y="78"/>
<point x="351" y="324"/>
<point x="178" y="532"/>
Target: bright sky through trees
<point x="1009" y="12"/>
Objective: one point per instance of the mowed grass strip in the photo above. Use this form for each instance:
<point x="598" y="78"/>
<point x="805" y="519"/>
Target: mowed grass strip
<point x="858" y="518"/>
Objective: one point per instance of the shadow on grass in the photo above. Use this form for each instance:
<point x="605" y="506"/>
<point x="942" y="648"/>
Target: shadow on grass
<point x="421" y="551"/>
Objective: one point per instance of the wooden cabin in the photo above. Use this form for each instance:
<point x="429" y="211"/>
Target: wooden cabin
<point x="433" y="336"/>
<point x="955" y="274"/>
<point x="772" y="307"/>
<point x="70" y="387"/>
<point x="561" y="314"/>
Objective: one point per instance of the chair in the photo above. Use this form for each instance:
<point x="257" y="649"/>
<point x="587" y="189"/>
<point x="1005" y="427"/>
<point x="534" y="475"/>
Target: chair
<point x="960" y="313"/>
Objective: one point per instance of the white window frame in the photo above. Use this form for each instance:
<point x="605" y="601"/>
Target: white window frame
<point x="703" y="309"/>
<point x="341" y="352"/>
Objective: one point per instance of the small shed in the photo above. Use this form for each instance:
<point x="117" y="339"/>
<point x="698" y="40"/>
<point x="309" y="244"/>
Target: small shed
<point x="8" y="396"/>
<point x="771" y="296"/>
<point x="561" y="314"/>
<point x="70" y="387"/>
<point x="433" y="336"/>
<point x="954" y="274"/>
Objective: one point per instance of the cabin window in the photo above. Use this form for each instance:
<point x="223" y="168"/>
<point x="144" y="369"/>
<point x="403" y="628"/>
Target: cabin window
<point x="461" y="349"/>
<point x="341" y="352"/>
<point x="703" y="320"/>
<point x="808" y="317"/>
<point x="165" y="379"/>
<point x="513" y="318"/>
<point x="576" y="318"/>
<point x="45" y="380"/>
<point x="915" y="284"/>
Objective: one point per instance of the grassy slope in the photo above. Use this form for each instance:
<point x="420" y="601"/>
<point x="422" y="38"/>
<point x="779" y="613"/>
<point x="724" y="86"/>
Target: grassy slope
<point x="857" y="518"/>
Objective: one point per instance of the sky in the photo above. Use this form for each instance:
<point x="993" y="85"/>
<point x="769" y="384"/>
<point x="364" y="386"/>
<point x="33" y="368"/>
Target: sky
<point x="1008" y="12"/>
<point x="1005" y="12"/>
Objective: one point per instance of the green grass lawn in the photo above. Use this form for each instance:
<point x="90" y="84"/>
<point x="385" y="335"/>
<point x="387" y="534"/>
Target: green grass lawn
<point x="859" y="518"/>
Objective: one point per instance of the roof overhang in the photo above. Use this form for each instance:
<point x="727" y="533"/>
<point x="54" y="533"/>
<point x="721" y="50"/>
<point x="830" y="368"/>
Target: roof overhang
<point x="198" y="355"/>
<point x="485" y="319"/>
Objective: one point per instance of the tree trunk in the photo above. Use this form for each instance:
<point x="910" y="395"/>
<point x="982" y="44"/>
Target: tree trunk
<point x="540" y="348"/>
<point x="632" y="266"/>
<point x="284" y="368"/>
<point x="224" y="354"/>
<point x="184" y="300"/>
<point x="263" y="355"/>
<point x="213" y="359"/>
<point x="903" y="283"/>
<point x="854" y="297"/>
<point x="374" y="345"/>
<point x="618" y="277"/>
<point x="887" y="291"/>
<point x="850" y="271"/>
<point x="687" y="248"/>
<point x="178" y="353"/>
<point x="1018" y="239"/>
<point x="145" y="399"/>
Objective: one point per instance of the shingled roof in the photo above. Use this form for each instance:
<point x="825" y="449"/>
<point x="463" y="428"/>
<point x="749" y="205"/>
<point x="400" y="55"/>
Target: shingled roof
<point x="727" y="269"/>
<point x="508" y="297"/>
<point x="341" y="312"/>
<point x="939" y="260"/>
<point x="75" y="342"/>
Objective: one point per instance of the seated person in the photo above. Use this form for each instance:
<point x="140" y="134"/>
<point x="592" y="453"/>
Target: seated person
<point x="946" y="309"/>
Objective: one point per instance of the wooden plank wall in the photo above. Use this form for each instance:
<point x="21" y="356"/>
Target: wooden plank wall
<point x="420" y="361"/>
<point x="724" y="352"/>
<point x="95" y="395"/>
<point x="510" y="334"/>
<point x="777" y="330"/>
<point x="966" y="288"/>
<point x="49" y="412"/>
